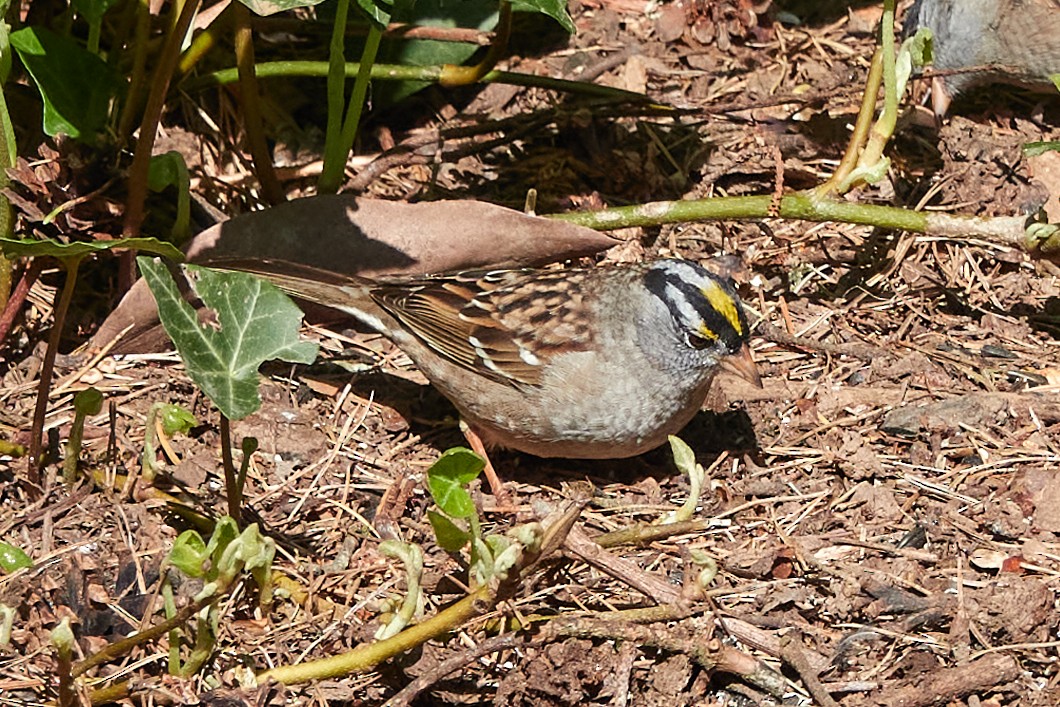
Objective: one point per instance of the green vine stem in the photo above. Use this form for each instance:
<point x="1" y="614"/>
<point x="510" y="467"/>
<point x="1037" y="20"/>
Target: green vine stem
<point x="478" y="602"/>
<point x="368" y="656"/>
<point x="807" y="206"/>
<point x="398" y="72"/>
<point x="251" y="103"/>
<point x="336" y="93"/>
<point x="883" y="130"/>
<point x="342" y="130"/>
<point x="453" y="75"/>
<point x="134" y="97"/>
<point x="861" y="127"/>
<point x="119" y="648"/>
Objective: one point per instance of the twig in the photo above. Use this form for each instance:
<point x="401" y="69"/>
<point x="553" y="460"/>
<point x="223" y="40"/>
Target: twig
<point x="690" y="637"/>
<point x="454" y="663"/>
<point x="865" y="352"/>
<point x="18" y="295"/>
<point x="658" y="590"/>
<point x="949" y="684"/>
<point x="793" y="653"/>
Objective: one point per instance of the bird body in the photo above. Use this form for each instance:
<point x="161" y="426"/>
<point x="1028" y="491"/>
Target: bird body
<point x="580" y="363"/>
<point x="1012" y="41"/>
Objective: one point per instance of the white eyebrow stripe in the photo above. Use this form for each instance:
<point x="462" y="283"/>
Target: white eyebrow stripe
<point x="687" y="310"/>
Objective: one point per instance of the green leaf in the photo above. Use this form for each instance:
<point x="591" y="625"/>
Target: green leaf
<point x="556" y="9"/>
<point x="88" y="402"/>
<point x="189" y="554"/>
<point x="684" y="457"/>
<point x="176" y="419"/>
<point x="224" y="532"/>
<point x="32" y="247"/>
<point x="62" y="636"/>
<point x="377" y="11"/>
<point x="1033" y="149"/>
<point x="256" y="323"/>
<point x="448" y="476"/>
<point x="232" y="552"/>
<point x="13" y="558"/>
<point x="476" y="14"/>
<point x="93" y="10"/>
<point x="75" y="84"/>
<point x="921" y="47"/>
<point x="450" y="536"/>
<point x="271" y="7"/>
<point x="167" y="170"/>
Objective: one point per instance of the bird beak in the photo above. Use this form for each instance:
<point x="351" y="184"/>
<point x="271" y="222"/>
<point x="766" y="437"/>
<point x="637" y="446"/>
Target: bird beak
<point x="743" y="365"/>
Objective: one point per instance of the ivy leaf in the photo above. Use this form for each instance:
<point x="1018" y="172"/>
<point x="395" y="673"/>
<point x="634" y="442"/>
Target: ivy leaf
<point x="255" y="323"/>
<point x="448" y="477"/>
<point x="556" y="9"/>
<point x="189" y="554"/>
<point x="75" y="85"/>
<point x="450" y="536"/>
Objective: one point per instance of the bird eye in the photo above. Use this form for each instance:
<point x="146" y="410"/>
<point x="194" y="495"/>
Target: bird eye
<point x="698" y="342"/>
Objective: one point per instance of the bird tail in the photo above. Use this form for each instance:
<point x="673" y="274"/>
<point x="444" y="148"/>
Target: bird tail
<point x="346" y="293"/>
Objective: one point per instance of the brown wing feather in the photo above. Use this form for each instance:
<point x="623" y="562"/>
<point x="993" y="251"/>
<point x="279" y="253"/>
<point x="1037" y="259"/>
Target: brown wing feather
<point x="502" y="324"/>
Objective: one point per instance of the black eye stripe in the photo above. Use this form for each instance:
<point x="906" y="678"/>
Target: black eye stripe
<point x="663" y="282"/>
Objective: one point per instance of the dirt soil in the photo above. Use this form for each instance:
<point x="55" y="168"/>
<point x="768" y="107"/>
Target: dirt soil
<point x="884" y="515"/>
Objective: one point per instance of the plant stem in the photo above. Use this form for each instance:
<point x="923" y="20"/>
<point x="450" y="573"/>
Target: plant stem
<point x="464" y="75"/>
<point x="249" y="445"/>
<point x="206" y="40"/>
<point x="368" y="656"/>
<point x="1009" y="231"/>
<point x="884" y="128"/>
<point x="803" y="206"/>
<point x="861" y="126"/>
<point x="66" y="680"/>
<point x="156" y="99"/>
<point x="40" y="411"/>
<point x="73" y="449"/>
<point x="8" y="155"/>
<point x="125" y="645"/>
<point x="251" y="102"/>
<point x="110" y="693"/>
<point x="92" y="44"/>
<point x="398" y="72"/>
<point x="133" y="99"/>
<point x="336" y="93"/>
<point x="232" y="485"/>
<point x="359" y="93"/>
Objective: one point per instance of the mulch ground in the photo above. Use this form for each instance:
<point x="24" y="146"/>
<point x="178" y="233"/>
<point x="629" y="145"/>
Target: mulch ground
<point x="884" y="513"/>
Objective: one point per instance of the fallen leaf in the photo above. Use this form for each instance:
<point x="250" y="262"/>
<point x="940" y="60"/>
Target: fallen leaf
<point x="368" y="237"/>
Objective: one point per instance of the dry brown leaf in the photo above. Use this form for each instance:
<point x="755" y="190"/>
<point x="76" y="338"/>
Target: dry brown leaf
<point x="367" y="237"/>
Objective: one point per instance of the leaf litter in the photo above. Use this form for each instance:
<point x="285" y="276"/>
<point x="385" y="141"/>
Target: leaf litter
<point x="882" y="514"/>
